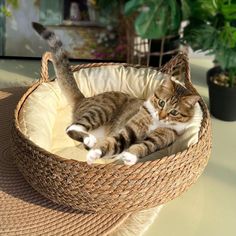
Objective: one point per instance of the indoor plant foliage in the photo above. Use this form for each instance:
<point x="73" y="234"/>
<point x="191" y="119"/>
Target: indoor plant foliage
<point x="155" y="18"/>
<point x="158" y="21"/>
<point x="212" y="29"/>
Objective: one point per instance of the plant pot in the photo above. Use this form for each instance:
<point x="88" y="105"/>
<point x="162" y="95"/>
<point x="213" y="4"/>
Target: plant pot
<point x="171" y="46"/>
<point x="222" y="99"/>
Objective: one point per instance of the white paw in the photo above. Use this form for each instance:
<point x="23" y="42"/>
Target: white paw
<point x="128" y="158"/>
<point x="90" y="140"/>
<point x="93" y="155"/>
<point x="74" y="127"/>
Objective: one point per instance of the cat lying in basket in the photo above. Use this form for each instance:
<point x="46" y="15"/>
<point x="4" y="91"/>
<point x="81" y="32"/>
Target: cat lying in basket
<point x="137" y="127"/>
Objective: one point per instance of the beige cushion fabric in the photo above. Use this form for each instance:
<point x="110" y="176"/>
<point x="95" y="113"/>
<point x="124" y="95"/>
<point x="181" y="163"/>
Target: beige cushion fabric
<point x="46" y="113"/>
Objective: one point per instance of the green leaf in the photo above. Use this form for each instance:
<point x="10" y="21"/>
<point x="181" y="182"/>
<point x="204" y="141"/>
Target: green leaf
<point x="226" y="58"/>
<point x="133" y="6"/>
<point x="203" y="9"/>
<point x="229" y="11"/>
<point x="152" y="24"/>
<point x="202" y="37"/>
<point x="227" y="36"/>
<point x="159" y="19"/>
<point x="175" y="15"/>
<point x="185" y="9"/>
<point x="234" y="36"/>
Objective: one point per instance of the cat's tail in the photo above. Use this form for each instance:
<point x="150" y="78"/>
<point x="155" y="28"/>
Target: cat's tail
<point x="61" y="64"/>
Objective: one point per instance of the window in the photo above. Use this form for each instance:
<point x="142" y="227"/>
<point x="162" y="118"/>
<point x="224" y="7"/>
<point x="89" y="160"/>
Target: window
<point x="67" y="12"/>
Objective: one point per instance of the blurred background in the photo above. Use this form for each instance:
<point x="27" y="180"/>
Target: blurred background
<point x="86" y="29"/>
<point x="147" y="32"/>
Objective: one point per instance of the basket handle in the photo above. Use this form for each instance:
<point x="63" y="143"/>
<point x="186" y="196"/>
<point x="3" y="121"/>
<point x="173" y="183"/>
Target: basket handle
<point x="181" y="59"/>
<point x="47" y="56"/>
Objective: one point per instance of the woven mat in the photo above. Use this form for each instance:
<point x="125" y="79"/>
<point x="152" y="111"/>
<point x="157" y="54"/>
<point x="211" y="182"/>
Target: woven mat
<point x="25" y="212"/>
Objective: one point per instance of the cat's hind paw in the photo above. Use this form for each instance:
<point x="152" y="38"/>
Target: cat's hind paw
<point x="128" y="158"/>
<point x="92" y="155"/>
<point x="90" y="141"/>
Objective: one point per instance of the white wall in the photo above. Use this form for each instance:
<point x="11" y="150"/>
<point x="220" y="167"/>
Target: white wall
<point x="21" y="40"/>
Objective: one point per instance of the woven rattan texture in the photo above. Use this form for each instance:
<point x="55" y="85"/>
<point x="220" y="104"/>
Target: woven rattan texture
<point x="113" y="188"/>
<point x="23" y="211"/>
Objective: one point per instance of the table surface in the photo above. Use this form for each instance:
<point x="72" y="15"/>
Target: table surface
<point x="209" y="207"/>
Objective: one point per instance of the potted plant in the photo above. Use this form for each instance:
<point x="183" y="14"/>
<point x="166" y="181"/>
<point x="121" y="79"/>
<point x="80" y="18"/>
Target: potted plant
<point x="158" y="21"/>
<point x="212" y="29"/>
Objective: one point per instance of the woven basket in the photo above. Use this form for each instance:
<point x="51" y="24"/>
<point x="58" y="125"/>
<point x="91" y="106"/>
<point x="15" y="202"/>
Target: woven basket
<point x="111" y="188"/>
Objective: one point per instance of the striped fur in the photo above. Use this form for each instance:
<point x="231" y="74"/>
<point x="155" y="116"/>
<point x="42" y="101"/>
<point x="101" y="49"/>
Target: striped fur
<point x="61" y="64"/>
<point x="137" y="128"/>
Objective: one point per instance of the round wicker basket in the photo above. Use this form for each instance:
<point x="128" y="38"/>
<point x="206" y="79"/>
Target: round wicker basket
<point x="112" y="188"/>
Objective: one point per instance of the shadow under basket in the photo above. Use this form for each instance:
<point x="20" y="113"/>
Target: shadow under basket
<point x="111" y="188"/>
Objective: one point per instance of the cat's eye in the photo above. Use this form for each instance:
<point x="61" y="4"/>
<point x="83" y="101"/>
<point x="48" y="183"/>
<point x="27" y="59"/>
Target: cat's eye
<point x="174" y="112"/>
<point x="161" y="103"/>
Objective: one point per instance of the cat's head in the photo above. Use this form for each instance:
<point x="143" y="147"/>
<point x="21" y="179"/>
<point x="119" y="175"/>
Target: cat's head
<point x="173" y="103"/>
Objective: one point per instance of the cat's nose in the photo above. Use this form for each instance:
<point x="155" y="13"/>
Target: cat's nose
<point x="162" y="115"/>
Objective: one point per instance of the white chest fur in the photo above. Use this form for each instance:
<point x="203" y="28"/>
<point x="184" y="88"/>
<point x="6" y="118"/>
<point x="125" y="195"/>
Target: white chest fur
<point x="157" y="123"/>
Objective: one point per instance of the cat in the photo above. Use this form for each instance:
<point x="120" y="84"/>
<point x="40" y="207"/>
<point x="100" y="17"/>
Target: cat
<point x="137" y="127"/>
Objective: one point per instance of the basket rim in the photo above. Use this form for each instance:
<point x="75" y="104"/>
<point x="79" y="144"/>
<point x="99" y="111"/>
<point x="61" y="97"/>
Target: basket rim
<point x="205" y="123"/>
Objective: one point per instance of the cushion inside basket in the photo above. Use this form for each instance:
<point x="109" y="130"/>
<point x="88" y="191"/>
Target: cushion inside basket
<point x="46" y="112"/>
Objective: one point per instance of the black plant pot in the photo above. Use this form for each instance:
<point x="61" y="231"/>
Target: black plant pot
<point x="222" y="99"/>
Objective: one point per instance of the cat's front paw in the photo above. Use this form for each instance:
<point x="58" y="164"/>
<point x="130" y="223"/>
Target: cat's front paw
<point x="128" y="158"/>
<point x="90" y="141"/>
<point x="92" y="155"/>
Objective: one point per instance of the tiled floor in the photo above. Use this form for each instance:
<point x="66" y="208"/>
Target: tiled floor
<point x="209" y="207"/>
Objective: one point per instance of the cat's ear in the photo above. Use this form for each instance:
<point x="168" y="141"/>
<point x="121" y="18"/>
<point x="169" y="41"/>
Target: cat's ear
<point x="190" y="100"/>
<point x="167" y="84"/>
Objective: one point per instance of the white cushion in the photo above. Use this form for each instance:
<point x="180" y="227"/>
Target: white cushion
<point x="46" y="113"/>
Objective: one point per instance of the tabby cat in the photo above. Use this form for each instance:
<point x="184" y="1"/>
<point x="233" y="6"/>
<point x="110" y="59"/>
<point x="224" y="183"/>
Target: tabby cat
<point x="137" y="127"/>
